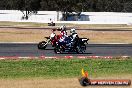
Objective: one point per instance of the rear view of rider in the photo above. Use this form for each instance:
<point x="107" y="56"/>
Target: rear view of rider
<point x="63" y="34"/>
<point x="74" y="36"/>
<point x="63" y="31"/>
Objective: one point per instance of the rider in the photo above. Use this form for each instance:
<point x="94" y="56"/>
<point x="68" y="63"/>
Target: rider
<point x="63" y="31"/>
<point x="52" y="34"/>
<point x="53" y="37"/>
<point x="63" y="34"/>
<point x="74" y="36"/>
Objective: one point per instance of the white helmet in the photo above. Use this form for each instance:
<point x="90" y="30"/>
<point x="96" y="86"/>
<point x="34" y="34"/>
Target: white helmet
<point x="73" y="30"/>
<point x="63" y="27"/>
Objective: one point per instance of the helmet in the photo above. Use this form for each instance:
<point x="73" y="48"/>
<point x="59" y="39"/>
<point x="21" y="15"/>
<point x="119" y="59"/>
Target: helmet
<point x="63" y="27"/>
<point x="53" y="30"/>
<point x="73" y="30"/>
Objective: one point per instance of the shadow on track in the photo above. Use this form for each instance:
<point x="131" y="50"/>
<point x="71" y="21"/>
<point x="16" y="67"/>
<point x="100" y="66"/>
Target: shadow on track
<point x="74" y="53"/>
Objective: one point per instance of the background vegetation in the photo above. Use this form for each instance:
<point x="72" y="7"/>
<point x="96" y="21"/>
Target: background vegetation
<point x="66" y="6"/>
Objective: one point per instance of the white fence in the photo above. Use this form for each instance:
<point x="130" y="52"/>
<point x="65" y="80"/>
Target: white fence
<point x="85" y="18"/>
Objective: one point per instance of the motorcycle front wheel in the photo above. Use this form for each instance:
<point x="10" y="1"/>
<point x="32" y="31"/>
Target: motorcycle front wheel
<point x="42" y="45"/>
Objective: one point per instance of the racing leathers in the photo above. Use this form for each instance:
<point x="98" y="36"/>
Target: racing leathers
<point x="63" y="37"/>
<point x="74" y="38"/>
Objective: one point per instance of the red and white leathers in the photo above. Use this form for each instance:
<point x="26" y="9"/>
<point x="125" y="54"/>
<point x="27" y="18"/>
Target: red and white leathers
<point x="53" y="37"/>
<point x="63" y="33"/>
<point x="52" y="34"/>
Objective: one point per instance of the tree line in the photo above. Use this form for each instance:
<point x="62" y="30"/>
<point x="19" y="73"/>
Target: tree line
<point x="66" y="6"/>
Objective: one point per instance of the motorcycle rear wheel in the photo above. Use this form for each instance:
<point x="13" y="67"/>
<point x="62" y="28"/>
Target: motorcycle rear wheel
<point x="81" y="48"/>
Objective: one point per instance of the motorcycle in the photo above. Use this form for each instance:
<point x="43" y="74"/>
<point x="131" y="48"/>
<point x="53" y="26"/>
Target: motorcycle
<point x="78" y="47"/>
<point x="49" y="40"/>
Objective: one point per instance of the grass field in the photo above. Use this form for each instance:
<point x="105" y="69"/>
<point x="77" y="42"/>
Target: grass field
<point x="51" y="73"/>
<point x="63" y="68"/>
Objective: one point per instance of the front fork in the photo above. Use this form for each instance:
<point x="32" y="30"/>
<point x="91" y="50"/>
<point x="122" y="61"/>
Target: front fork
<point x="47" y="41"/>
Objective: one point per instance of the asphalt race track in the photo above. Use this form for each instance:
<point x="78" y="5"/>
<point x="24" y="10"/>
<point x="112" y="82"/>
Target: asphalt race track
<point x="23" y="50"/>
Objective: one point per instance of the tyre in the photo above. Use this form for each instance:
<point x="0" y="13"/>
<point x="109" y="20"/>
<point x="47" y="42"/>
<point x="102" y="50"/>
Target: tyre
<point x="58" y="49"/>
<point x="84" y="81"/>
<point x="82" y="48"/>
<point x="78" y="49"/>
<point x="42" y="45"/>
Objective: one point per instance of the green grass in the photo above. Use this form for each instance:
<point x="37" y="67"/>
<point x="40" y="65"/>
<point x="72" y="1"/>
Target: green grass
<point x="63" y="68"/>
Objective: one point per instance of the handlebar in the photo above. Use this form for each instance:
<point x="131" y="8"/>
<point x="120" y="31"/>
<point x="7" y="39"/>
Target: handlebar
<point x="47" y="37"/>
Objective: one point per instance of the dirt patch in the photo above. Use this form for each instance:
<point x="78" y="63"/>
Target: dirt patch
<point x="52" y="83"/>
<point x="107" y="36"/>
<point x="40" y="83"/>
<point x="37" y="35"/>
